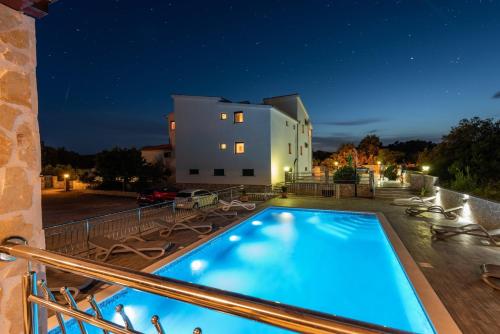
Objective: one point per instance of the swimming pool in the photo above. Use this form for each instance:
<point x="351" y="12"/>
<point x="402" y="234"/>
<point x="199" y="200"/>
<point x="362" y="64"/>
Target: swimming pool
<point x="335" y="262"/>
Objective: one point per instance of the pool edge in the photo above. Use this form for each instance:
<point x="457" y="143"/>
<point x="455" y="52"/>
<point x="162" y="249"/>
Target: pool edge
<point x="441" y="319"/>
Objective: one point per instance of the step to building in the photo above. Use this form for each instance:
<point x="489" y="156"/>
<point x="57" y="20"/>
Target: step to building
<point x="391" y="193"/>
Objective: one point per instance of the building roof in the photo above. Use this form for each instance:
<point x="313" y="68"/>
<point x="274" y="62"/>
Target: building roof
<point x="33" y="8"/>
<point x="163" y="147"/>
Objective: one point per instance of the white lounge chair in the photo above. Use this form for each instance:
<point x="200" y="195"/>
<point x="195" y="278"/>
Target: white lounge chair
<point x="105" y="247"/>
<point x="447" y="213"/>
<point x="167" y="227"/>
<point x="415" y="201"/>
<point x="75" y="283"/>
<point x="226" y="206"/>
<point x="445" y="231"/>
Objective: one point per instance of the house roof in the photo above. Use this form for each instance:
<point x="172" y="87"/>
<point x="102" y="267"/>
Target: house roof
<point x="164" y="147"/>
<point x="33" y="8"/>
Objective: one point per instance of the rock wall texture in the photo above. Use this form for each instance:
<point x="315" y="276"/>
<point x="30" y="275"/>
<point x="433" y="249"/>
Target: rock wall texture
<point x="20" y="204"/>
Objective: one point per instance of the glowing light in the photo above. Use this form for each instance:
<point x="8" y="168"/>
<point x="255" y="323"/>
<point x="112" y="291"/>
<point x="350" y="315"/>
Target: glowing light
<point x="379" y="162"/>
<point x="66" y="176"/>
<point x="426" y="168"/>
<point x="234" y="238"/>
<point x="286" y="216"/>
<point x="466" y="197"/>
<point x="197" y="265"/>
<point x="336" y="163"/>
<point x="437" y="189"/>
<point x="256" y="223"/>
<point x="286" y="169"/>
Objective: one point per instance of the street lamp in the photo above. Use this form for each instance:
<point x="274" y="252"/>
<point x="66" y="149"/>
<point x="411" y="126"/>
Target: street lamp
<point x="379" y="163"/>
<point x="426" y="168"/>
<point x="66" y="182"/>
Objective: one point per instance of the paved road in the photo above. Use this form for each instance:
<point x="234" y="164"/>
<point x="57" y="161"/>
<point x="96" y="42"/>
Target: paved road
<point x="59" y="206"/>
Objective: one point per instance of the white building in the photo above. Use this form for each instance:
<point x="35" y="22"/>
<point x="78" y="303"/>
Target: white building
<point x="222" y="142"/>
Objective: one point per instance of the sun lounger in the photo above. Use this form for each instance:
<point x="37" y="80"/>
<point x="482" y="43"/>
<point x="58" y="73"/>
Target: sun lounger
<point x="226" y="206"/>
<point x="447" y="213"/>
<point x="197" y="226"/>
<point x="105" y="247"/>
<point x="415" y="201"/>
<point x="491" y="273"/>
<point x="75" y="283"/>
<point x="445" y="231"/>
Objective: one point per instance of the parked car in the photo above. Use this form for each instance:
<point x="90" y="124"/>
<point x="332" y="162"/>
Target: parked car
<point x="153" y="196"/>
<point x="195" y="198"/>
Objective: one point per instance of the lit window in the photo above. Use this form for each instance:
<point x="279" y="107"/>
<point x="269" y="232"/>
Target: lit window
<point x="222" y="146"/>
<point x="172" y="125"/>
<point x="247" y="172"/>
<point x="238" y="116"/>
<point x="300" y="149"/>
<point x="223" y="115"/>
<point x="194" y="171"/>
<point x="239" y="148"/>
<point x="218" y="172"/>
<point x="289" y="148"/>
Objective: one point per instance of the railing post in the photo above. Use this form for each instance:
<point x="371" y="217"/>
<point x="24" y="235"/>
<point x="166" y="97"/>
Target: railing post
<point x="139" y="220"/>
<point x="30" y="311"/>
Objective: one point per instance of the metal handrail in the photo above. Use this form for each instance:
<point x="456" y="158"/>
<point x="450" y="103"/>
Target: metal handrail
<point x="280" y="315"/>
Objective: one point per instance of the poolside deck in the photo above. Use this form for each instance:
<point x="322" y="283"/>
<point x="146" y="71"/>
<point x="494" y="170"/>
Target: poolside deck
<point x="451" y="266"/>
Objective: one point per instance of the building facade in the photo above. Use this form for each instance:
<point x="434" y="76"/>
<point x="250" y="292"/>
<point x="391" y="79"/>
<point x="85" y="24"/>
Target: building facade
<point x="222" y="142"/>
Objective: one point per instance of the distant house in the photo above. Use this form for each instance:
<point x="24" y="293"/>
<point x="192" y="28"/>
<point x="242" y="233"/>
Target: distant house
<point x="222" y="142"/>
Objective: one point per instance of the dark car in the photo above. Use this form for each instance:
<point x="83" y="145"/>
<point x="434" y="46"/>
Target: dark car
<point x="153" y="196"/>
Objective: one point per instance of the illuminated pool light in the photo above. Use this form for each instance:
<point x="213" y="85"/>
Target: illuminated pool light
<point x="197" y="265"/>
<point x="256" y="223"/>
<point x="234" y="238"/>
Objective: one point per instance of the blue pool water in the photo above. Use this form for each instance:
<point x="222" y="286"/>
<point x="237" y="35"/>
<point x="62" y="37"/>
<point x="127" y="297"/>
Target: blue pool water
<point x="334" y="262"/>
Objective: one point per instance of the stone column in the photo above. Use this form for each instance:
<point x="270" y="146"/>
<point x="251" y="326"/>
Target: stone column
<point x="20" y="202"/>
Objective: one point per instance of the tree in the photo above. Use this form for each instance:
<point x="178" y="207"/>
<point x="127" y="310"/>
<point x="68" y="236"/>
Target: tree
<point x="120" y="163"/>
<point x="368" y="149"/>
<point x="410" y="149"/>
<point x="388" y="157"/>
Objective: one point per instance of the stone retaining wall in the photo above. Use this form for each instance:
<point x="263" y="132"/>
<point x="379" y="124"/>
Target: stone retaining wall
<point x="476" y="210"/>
<point x="20" y="189"/>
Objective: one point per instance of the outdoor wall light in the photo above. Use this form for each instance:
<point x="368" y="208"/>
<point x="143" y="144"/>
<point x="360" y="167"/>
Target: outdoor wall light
<point x="437" y="189"/>
<point x="336" y="163"/>
<point x="66" y="176"/>
<point x="286" y="169"/>
<point x="466" y="197"/>
<point x="426" y="168"/>
<point x="379" y="162"/>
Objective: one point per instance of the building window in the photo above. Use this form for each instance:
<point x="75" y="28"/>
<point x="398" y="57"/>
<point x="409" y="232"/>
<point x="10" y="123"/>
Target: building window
<point x="286" y="123"/>
<point x="305" y="169"/>
<point x="222" y="146"/>
<point x="289" y="148"/>
<point x="303" y="127"/>
<point x="294" y="126"/>
<point x="194" y="171"/>
<point x="239" y="148"/>
<point x="238" y="117"/>
<point x="247" y="172"/>
<point x="218" y="172"/>
<point x="306" y="145"/>
<point x="300" y="149"/>
<point x="223" y="116"/>
<point x="172" y="125"/>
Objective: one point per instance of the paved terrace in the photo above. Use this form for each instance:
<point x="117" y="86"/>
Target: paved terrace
<point x="451" y="266"/>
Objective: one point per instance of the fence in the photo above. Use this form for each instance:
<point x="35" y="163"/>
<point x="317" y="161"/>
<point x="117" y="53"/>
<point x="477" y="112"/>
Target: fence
<point x="309" y="184"/>
<point x="72" y="238"/>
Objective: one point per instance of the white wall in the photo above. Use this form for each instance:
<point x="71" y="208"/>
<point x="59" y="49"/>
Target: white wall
<point x="199" y="131"/>
<point x="281" y="135"/>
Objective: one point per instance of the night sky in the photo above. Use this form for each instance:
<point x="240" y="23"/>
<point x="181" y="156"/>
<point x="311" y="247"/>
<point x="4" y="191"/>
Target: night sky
<point x="398" y="69"/>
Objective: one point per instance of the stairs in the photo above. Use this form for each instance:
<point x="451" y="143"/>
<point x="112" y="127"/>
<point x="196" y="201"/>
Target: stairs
<point x="393" y="192"/>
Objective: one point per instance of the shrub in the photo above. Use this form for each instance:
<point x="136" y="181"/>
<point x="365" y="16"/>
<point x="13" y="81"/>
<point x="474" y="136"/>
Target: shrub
<point x="391" y="172"/>
<point x="345" y="173"/>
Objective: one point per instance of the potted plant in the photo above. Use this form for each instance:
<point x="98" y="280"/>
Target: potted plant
<point x="243" y="195"/>
<point x="284" y="192"/>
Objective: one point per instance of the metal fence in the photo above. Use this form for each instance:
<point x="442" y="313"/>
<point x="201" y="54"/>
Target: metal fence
<point x="72" y="238"/>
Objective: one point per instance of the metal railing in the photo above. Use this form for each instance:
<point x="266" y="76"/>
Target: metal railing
<point x="72" y="238"/>
<point x="271" y="313"/>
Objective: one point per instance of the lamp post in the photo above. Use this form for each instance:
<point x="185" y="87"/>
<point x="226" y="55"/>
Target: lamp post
<point x="379" y="163"/>
<point x="66" y="182"/>
<point x="425" y="170"/>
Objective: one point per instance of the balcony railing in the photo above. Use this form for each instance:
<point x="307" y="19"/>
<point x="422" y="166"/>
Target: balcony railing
<point x="275" y="314"/>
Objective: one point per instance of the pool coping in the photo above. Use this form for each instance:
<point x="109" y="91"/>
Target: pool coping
<point x="439" y="316"/>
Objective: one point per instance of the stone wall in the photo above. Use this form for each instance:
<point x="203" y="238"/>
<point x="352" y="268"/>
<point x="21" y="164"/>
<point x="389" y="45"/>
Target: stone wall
<point x="20" y="204"/>
<point x="476" y="210"/>
<point x="419" y="181"/>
